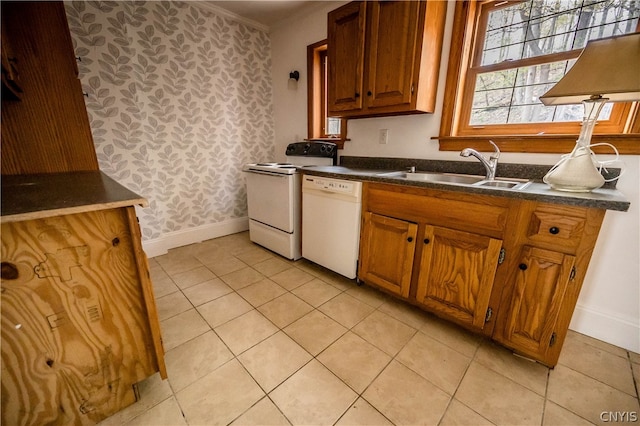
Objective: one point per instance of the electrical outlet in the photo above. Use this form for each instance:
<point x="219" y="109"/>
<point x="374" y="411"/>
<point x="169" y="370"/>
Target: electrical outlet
<point x="383" y="137"/>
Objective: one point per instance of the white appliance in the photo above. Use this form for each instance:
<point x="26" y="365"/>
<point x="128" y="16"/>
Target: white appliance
<point x="274" y="196"/>
<point x="331" y="223"/>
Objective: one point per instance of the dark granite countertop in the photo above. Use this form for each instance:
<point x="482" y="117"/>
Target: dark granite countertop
<point x="373" y="170"/>
<point x="37" y="196"/>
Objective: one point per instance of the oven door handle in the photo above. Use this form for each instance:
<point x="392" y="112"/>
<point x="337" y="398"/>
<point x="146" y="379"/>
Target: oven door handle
<point x="278" y="175"/>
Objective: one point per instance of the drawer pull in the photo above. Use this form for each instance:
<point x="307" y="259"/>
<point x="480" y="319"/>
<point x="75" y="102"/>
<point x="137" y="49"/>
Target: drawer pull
<point x="410" y="239"/>
<point x="115" y="242"/>
<point x="554" y="230"/>
<point x="523" y="267"/>
<point x="426" y="241"/>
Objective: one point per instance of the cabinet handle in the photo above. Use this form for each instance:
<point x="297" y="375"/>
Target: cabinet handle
<point x="369" y="93"/>
<point x="554" y="230"/>
<point x="427" y="241"/>
<point x="357" y="95"/>
<point x="523" y="267"/>
<point x="410" y="239"/>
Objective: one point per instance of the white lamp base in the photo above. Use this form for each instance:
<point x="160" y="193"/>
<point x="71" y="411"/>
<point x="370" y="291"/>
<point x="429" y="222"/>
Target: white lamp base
<point x="575" y="173"/>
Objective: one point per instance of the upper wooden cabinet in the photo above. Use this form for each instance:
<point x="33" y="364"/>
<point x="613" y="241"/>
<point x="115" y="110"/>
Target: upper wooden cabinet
<point x="47" y="130"/>
<point x="346" y="28"/>
<point x="384" y="57"/>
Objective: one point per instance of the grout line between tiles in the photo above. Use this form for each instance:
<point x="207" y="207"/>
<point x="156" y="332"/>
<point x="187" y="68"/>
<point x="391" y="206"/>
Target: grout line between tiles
<point x="316" y="273"/>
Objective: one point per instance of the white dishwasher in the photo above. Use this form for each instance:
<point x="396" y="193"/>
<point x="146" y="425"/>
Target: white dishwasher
<point x="331" y="223"/>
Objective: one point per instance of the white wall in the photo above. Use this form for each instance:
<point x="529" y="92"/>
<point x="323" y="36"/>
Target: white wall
<point x="609" y="305"/>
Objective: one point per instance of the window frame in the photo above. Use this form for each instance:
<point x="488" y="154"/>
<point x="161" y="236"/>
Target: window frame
<point x="557" y="137"/>
<point x="317" y="106"/>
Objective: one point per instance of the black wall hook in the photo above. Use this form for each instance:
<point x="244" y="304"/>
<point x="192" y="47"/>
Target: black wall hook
<point x="294" y="75"/>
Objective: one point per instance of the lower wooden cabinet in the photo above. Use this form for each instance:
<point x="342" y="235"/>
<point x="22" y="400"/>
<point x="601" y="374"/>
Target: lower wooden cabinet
<point x="79" y="325"/>
<point x="506" y="268"/>
<point x="544" y="280"/>
<point x="541" y="280"/>
<point x="388" y="247"/>
<point x="456" y="273"/>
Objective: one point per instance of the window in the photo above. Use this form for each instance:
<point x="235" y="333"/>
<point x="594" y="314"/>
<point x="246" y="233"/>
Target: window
<point x="514" y="51"/>
<point x="319" y="125"/>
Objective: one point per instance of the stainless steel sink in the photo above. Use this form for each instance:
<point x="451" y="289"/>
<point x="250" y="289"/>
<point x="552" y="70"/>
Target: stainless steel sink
<point x="515" y="184"/>
<point x="459" y="179"/>
<point x="451" y="178"/>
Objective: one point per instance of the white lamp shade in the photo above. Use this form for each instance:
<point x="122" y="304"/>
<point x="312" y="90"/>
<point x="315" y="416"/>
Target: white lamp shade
<point x="607" y="68"/>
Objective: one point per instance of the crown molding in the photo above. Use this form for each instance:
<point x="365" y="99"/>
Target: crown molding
<point x="230" y="15"/>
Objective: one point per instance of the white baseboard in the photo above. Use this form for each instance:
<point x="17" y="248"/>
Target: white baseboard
<point x="606" y="327"/>
<point x="160" y="246"/>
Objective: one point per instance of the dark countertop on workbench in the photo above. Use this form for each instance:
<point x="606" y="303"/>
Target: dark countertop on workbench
<point x="372" y="170"/>
<point x="38" y="196"/>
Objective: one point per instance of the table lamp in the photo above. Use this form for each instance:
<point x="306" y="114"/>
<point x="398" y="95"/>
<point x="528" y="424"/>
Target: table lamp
<point x="607" y="70"/>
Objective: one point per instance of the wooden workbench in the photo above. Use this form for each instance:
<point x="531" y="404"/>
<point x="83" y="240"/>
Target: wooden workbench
<point x="79" y="323"/>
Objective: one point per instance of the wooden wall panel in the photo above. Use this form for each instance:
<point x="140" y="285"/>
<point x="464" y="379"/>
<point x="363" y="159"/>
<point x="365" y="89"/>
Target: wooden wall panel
<point x="48" y="130"/>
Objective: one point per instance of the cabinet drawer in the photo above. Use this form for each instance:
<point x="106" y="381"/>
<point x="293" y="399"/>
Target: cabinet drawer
<point x="558" y="226"/>
<point x="466" y="212"/>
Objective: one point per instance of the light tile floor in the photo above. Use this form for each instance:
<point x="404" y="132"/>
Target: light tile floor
<point x="254" y="339"/>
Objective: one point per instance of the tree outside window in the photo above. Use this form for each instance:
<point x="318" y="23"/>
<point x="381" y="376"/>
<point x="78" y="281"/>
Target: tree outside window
<point x="513" y="52"/>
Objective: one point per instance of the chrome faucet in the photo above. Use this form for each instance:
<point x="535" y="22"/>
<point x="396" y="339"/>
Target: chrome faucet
<point x="490" y="165"/>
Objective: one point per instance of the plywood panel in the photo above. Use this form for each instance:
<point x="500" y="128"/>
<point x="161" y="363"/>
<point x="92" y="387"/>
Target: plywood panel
<point x="75" y="331"/>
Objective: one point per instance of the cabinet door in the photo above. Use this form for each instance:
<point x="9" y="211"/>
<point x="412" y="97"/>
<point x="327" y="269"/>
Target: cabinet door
<point x="392" y="52"/>
<point x="387" y="250"/>
<point x="346" y="29"/>
<point x="541" y="280"/>
<point x="456" y="275"/>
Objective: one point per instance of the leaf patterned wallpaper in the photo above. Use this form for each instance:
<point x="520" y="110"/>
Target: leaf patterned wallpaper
<point x="179" y="99"/>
